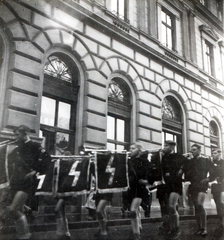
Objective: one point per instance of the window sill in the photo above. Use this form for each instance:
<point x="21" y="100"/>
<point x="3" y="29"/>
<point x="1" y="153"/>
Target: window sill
<point x="120" y="23"/>
<point x="170" y="53"/>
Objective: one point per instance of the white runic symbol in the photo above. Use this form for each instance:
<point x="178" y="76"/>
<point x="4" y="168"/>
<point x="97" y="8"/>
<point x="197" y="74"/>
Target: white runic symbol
<point x="74" y="173"/>
<point x="110" y="170"/>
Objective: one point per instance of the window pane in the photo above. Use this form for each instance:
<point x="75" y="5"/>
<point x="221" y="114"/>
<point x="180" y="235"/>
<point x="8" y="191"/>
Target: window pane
<point x="121" y="7"/>
<point x="207" y="57"/>
<point x="47" y="111"/>
<point x="120" y="130"/>
<point x="168" y="20"/>
<point x="110" y="146"/>
<point x="163" y="34"/>
<point x="120" y="147"/>
<point x="62" y="140"/>
<point x="114" y="5"/>
<point x="169" y="136"/>
<point x="169" y="38"/>
<point x="163" y="16"/>
<point x="64" y="114"/>
<point x="110" y="127"/>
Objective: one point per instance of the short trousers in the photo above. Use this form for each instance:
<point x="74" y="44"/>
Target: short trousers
<point x="217" y="188"/>
<point x="103" y="196"/>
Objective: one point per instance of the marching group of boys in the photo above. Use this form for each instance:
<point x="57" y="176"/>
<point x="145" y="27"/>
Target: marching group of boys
<point x="164" y="169"/>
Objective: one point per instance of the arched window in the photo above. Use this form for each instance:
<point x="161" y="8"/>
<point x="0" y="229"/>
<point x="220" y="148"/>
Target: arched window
<point x="172" y="121"/>
<point x="214" y="135"/>
<point x="119" y="113"/>
<point x="58" y="107"/>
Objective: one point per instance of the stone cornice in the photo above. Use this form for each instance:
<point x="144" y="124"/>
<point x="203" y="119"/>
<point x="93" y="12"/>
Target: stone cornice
<point x="208" y="15"/>
<point x="134" y="43"/>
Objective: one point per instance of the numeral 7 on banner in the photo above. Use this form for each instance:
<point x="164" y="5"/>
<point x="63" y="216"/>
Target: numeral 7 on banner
<point x="40" y="184"/>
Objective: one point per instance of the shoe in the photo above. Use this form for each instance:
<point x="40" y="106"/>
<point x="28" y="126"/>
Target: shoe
<point x="63" y="237"/>
<point x="27" y="238"/>
<point x="136" y="236"/>
<point x="204" y="232"/>
<point x="176" y="234"/>
<point x="123" y="212"/>
<point x="147" y="214"/>
<point x="221" y="229"/>
<point x="98" y="235"/>
<point x="89" y="218"/>
<point x="198" y="232"/>
<point x="164" y="230"/>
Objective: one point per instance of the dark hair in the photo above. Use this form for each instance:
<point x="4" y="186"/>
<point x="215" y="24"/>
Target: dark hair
<point x="170" y="142"/>
<point x="217" y="150"/>
<point x="197" y="146"/>
<point x="137" y="145"/>
<point x="22" y="129"/>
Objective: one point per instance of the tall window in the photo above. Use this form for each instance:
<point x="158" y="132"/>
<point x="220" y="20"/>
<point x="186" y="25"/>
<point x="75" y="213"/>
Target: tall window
<point x="219" y="7"/>
<point x="214" y="135"/>
<point x="204" y="2"/>
<point x="172" y="122"/>
<point x="58" y="106"/>
<point x="119" y="8"/>
<point x="168" y="29"/>
<point x="118" y="119"/>
<point x="208" y="58"/>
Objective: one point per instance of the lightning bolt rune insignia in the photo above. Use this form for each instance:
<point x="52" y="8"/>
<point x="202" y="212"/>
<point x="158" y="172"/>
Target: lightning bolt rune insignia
<point x="110" y="170"/>
<point x="74" y="173"/>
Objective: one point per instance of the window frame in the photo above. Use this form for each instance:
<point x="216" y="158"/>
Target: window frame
<point x="219" y="8"/>
<point x="214" y="138"/>
<point x="171" y="27"/>
<point x="124" y="14"/>
<point x="208" y="57"/>
<point x="115" y="141"/>
<point x="174" y="127"/>
<point x="55" y="88"/>
<point x="118" y="109"/>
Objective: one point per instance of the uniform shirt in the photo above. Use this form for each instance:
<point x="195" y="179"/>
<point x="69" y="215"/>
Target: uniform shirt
<point x="171" y="165"/>
<point x="168" y="168"/>
<point x="139" y="168"/>
<point x="27" y="157"/>
<point x="218" y="170"/>
<point x="198" y="169"/>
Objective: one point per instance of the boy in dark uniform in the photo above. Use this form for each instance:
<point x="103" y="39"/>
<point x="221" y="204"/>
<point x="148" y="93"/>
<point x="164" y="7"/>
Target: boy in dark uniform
<point x="139" y="169"/>
<point x="218" y="188"/>
<point x="169" y="168"/>
<point x="26" y="160"/>
<point x="197" y="171"/>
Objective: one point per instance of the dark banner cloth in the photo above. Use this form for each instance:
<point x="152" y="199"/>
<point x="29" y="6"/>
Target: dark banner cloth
<point x="111" y="172"/>
<point x="5" y="172"/>
<point x="72" y="176"/>
<point x="4" y="181"/>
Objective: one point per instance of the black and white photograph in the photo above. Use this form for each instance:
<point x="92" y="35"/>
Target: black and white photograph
<point x="111" y="119"/>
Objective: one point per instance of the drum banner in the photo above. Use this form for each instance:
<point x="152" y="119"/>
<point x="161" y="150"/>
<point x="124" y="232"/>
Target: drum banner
<point x="4" y="179"/>
<point x="46" y="182"/>
<point x="111" y="172"/>
<point x="5" y="150"/>
<point x="72" y="175"/>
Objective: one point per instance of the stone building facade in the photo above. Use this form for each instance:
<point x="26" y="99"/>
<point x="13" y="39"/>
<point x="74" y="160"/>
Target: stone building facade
<point x="105" y="73"/>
